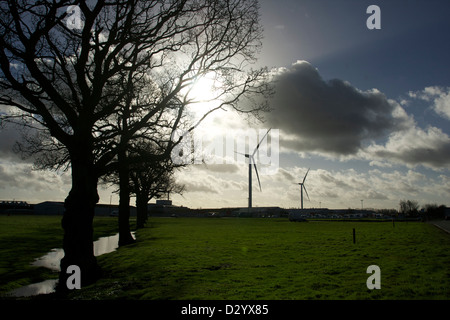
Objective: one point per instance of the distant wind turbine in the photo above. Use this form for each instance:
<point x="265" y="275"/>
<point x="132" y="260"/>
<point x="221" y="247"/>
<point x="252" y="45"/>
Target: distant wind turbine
<point x="302" y="186"/>
<point x="251" y="160"/>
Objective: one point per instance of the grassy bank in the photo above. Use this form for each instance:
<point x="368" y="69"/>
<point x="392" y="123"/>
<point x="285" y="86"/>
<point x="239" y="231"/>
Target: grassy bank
<point x="189" y="258"/>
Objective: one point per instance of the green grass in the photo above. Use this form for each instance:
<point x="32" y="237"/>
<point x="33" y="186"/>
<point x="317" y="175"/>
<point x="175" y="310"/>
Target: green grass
<point x="272" y="259"/>
<point x="24" y="238"/>
<point x="276" y="259"/>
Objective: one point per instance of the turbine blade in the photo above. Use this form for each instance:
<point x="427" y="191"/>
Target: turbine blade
<point x="257" y="147"/>
<point x="257" y="175"/>
<point x="306" y="192"/>
<point x="305" y="176"/>
<point x="242" y="154"/>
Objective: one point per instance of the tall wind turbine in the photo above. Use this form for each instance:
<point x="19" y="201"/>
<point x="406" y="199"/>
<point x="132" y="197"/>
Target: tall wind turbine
<point x="302" y="186"/>
<point x="251" y="161"/>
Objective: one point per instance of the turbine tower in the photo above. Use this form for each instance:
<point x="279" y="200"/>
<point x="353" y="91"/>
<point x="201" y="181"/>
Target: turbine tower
<point x="302" y="186"/>
<point x="251" y="161"/>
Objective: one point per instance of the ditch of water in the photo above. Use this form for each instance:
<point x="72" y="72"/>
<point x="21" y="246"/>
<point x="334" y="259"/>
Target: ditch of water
<point x="52" y="260"/>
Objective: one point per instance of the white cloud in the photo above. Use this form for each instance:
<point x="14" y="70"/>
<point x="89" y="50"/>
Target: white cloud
<point x="439" y="96"/>
<point x="442" y="104"/>
<point x="414" y="146"/>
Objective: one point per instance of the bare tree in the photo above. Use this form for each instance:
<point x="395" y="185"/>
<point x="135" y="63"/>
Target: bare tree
<point x="73" y="80"/>
<point x="409" y="207"/>
<point x="146" y="176"/>
<point x="149" y="182"/>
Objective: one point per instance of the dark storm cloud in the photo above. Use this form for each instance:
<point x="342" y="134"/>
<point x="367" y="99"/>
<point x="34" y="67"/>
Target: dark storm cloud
<point x="327" y="116"/>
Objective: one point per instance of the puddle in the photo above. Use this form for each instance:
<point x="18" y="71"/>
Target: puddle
<point x="101" y="246"/>
<point x="44" y="287"/>
<point x="52" y="260"/>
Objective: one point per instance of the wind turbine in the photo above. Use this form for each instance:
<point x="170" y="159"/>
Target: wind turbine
<point x="251" y="160"/>
<point x="302" y="186"/>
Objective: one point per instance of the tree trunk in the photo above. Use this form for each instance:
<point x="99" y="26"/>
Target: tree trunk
<point x="125" y="236"/>
<point x="141" y="209"/>
<point x="78" y="219"/>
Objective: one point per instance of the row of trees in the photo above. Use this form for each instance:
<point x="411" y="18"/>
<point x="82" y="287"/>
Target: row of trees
<point x="105" y="85"/>
<point x="412" y="208"/>
<point x="434" y="211"/>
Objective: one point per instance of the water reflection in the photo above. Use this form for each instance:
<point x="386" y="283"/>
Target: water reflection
<point x="52" y="260"/>
<point x="44" y="287"/>
<point x="106" y="244"/>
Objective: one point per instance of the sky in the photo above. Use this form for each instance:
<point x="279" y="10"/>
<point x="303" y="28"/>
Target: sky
<point x="366" y="110"/>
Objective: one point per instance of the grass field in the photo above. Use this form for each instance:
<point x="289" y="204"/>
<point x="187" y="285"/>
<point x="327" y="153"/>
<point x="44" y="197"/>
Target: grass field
<point x="250" y="259"/>
<point x="24" y="238"/>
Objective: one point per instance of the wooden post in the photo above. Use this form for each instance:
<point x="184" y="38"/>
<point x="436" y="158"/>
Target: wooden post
<point x="354" y="238"/>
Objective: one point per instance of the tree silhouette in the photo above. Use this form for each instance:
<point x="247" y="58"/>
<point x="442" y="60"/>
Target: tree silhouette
<point x="148" y="176"/>
<point x="149" y="182"/>
<point x="73" y="80"/>
<point x="409" y="207"/>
